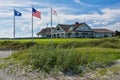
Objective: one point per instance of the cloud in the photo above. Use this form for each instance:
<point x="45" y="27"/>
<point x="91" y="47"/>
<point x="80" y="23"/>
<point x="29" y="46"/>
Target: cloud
<point x="111" y="13"/>
<point x="84" y="4"/>
<point x="114" y="26"/>
<point x="107" y="19"/>
<point x="6" y="33"/>
<point x="108" y="15"/>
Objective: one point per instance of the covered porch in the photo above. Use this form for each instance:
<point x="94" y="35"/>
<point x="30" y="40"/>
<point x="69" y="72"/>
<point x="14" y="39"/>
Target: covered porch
<point x="73" y="35"/>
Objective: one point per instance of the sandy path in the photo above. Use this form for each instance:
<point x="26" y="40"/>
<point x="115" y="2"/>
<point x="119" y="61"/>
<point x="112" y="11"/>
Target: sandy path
<point x="4" y="54"/>
<point x="3" y="74"/>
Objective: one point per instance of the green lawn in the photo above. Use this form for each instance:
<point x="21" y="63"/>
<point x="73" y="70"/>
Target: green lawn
<point x="55" y="40"/>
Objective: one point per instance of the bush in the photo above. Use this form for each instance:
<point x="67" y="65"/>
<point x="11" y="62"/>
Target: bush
<point x="47" y="59"/>
<point x="69" y="60"/>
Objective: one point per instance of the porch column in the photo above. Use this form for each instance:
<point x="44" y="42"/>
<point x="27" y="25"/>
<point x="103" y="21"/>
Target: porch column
<point x="73" y="35"/>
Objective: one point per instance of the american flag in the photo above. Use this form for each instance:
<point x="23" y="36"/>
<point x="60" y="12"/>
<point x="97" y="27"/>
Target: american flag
<point x="36" y="13"/>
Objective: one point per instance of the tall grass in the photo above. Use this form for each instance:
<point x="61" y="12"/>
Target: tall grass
<point x="70" y="60"/>
<point x="104" y="42"/>
<point x="71" y="57"/>
<point x="14" y="45"/>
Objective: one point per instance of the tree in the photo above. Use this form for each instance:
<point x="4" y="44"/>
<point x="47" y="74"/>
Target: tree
<point x="117" y="33"/>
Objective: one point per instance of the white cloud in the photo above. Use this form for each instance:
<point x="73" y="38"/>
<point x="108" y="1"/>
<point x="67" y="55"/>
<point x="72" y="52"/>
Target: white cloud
<point x="111" y="13"/>
<point x="85" y="4"/>
<point x="114" y="27"/>
<point x="6" y="33"/>
<point x="23" y="23"/>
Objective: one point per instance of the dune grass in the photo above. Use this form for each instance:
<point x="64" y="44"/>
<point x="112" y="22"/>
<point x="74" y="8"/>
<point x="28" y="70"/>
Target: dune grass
<point x="71" y="60"/>
<point x="73" y="57"/>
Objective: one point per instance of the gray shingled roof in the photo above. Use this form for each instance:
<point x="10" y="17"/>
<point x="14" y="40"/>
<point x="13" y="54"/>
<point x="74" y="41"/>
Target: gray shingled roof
<point x="66" y="27"/>
<point x="102" y="30"/>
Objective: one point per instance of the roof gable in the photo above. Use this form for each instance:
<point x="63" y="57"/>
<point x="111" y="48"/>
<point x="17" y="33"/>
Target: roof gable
<point x="45" y="31"/>
<point x="72" y="27"/>
<point x="83" y="27"/>
<point x="64" y="27"/>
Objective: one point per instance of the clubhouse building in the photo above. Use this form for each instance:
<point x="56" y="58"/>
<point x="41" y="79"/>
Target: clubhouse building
<point x="76" y="30"/>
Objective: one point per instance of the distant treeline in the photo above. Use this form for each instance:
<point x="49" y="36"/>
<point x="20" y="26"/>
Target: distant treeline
<point x="117" y="33"/>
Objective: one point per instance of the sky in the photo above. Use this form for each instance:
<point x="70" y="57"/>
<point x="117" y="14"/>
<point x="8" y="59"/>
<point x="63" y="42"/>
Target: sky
<point x="96" y="13"/>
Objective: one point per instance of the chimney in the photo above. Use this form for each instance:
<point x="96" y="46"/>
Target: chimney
<point x="76" y="23"/>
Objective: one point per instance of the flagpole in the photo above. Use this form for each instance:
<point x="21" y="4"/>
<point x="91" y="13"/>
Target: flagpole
<point x="51" y="26"/>
<point x="14" y="25"/>
<point x="32" y="26"/>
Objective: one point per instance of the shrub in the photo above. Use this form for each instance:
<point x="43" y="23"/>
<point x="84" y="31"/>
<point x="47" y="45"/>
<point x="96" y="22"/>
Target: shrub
<point x="69" y="60"/>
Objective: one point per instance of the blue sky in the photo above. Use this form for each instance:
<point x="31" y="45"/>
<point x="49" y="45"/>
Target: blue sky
<point x="96" y="13"/>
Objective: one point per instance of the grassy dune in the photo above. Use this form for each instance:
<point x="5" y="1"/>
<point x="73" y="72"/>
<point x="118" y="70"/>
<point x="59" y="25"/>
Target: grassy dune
<point x="68" y="55"/>
<point x="72" y="60"/>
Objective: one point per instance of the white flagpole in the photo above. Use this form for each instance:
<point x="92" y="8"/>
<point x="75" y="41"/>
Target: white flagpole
<point x="51" y="26"/>
<point x="14" y="25"/>
<point x="32" y="26"/>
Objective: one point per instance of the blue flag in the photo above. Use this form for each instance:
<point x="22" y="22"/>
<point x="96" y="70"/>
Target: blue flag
<point x="17" y="13"/>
